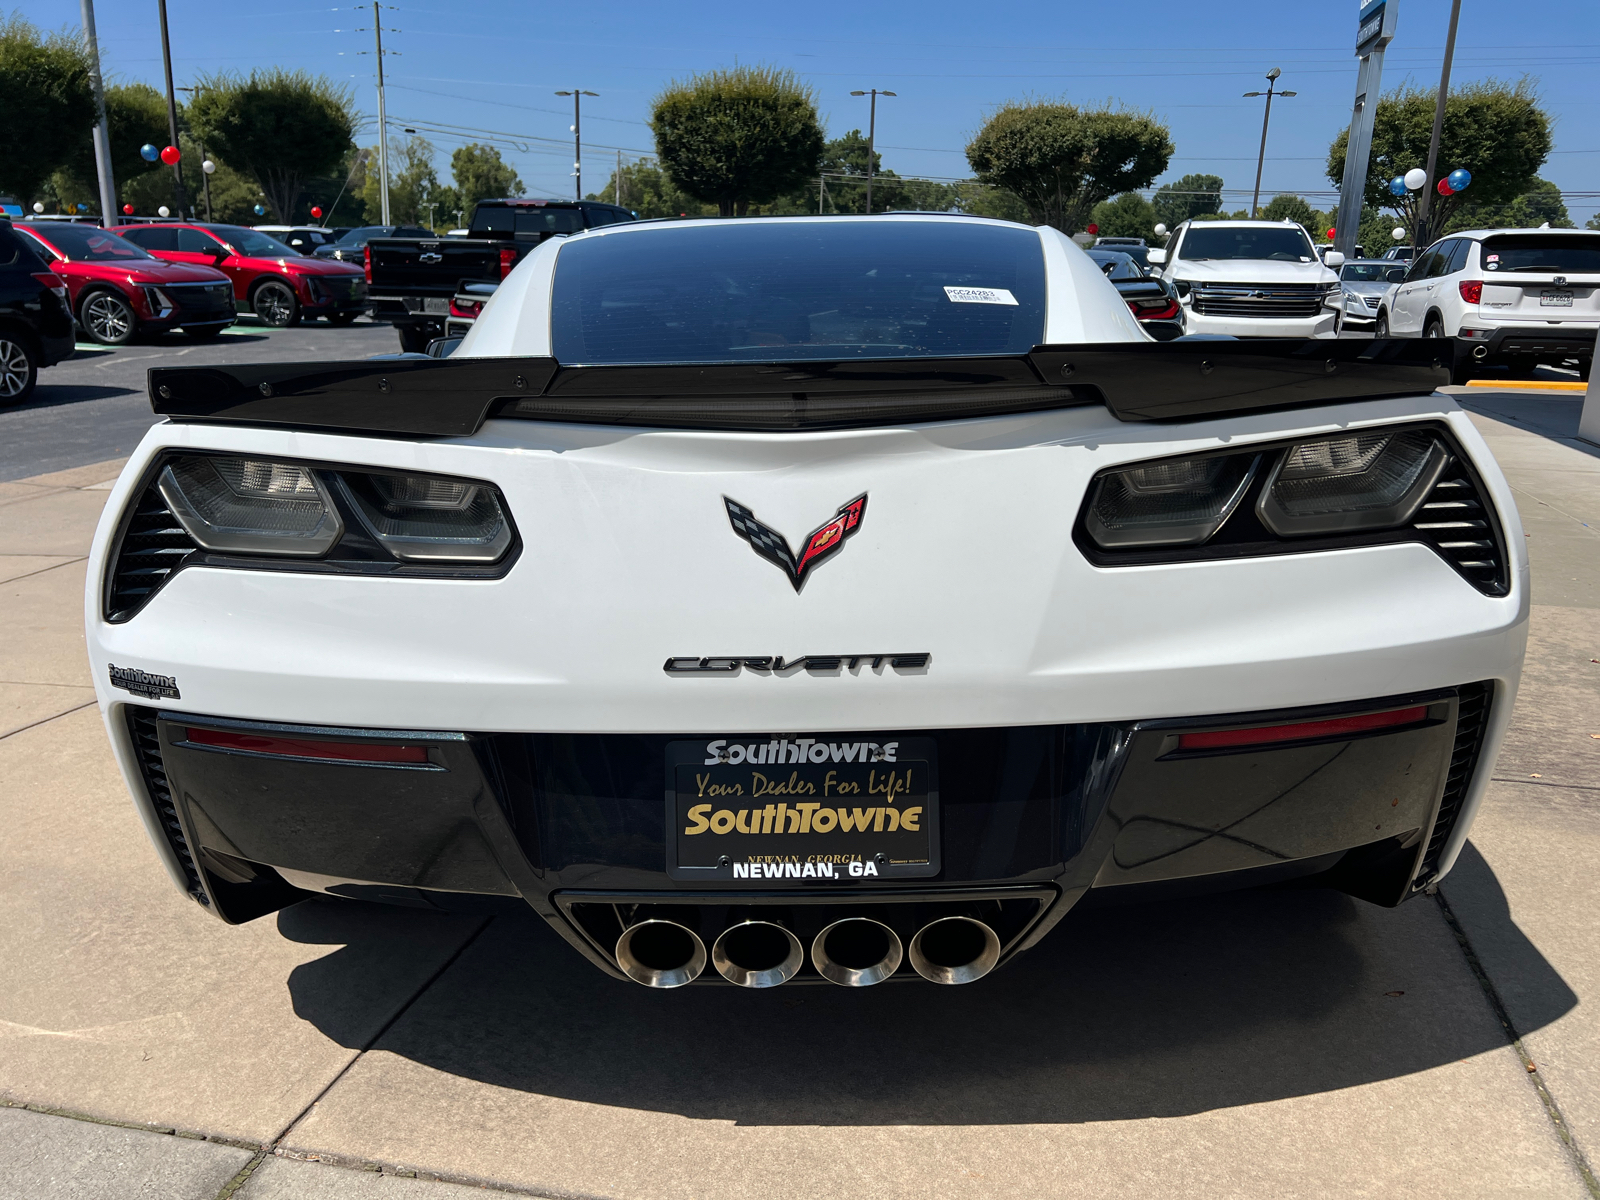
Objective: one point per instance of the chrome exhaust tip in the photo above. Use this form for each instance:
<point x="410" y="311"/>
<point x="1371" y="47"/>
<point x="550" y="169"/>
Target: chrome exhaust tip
<point x="757" y="954"/>
<point x="954" y="950"/>
<point x="661" y="954"/>
<point x="856" y="952"/>
<point x="1480" y="352"/>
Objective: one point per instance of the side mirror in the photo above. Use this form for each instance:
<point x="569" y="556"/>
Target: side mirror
<point x="1333" y="258"/>
<point x="220" y="254"/>
<point x="1395" y="275"/>
<point x="1156" y="257"/>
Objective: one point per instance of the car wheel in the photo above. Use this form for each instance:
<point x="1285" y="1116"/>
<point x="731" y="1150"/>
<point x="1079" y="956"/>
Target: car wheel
<point x="344" y="318"/>
<point x="1434" y="328"/>
<point x="275" y="304"/>
<point x="108" y="319"/>
<point x="19" y="369"/>
<point x="1382" y="330"/>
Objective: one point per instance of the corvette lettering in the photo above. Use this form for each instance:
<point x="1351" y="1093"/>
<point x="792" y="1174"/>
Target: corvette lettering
<point x="729" y="664"/>
<point x="820" y="545"/>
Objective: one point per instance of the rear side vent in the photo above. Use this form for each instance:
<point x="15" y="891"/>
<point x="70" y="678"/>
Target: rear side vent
<point x="153" y="545"/>
<point x="147" y="749"/>
<point x="1472" y="718"/>
<point x="1457" y="522"/>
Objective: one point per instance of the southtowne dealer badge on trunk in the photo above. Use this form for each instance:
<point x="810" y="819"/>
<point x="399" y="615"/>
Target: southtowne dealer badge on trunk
<point x="793" y="811"/>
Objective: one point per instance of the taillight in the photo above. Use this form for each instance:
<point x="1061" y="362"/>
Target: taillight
<point x="1303" y="730"/>
<point x="366" y="261"/>
<point x="467" y="309"/>
<point x="508" y="259"/>
<point x="52" y="281"/>
<point x="1471" y="290"/>
<point x="1154" y="310"/>
<point x="293" y="747"/>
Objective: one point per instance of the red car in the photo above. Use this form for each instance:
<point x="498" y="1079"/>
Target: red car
<point x="116" y="290"/>
<point x="279" y="284"/>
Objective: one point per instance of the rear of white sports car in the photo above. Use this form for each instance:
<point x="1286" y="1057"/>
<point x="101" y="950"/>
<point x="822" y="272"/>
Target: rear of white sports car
<point x="817" y="599"/>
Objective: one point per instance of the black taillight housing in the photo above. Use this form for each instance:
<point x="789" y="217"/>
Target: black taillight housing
<point x="1331" y="491"/>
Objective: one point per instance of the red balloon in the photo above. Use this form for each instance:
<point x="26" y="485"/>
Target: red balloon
<point x="1092" y="229"/>
<point x="316" y="211"/>
<point x="127" y="209"/>
<point x="1331" y="232"/>
<point x="170" y="155"/>
<point x="1445" y="189"/>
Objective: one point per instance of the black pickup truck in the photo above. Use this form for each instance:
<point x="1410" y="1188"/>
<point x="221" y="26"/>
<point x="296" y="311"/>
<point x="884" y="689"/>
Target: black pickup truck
<point x="413" y="282"/>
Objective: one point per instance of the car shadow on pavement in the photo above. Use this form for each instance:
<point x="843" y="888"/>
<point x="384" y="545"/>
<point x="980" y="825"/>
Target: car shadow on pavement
<point x="1146" y="1010"/>
<point x="53" y="395"/>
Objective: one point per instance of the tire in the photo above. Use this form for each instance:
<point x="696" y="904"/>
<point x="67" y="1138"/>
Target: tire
<point x="276" y="305"/>
<point x="107" y="318"/>
<point x="342" y="318"/>
<point x="1434" y="328"/>
<point x="19" y="368"/>
<point x="1382" y="330"/>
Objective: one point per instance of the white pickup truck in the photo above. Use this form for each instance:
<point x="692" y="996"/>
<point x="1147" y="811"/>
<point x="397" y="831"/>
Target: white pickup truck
<point x="1252" y="279"/>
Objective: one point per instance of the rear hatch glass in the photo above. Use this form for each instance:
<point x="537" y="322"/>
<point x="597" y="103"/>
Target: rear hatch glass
<point x="508" y="222"/>
<point x="1560" y="254"/>
<point x="791" y="290"/>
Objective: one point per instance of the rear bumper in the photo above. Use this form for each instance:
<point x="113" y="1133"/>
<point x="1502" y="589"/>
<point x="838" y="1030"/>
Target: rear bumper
<point x="1511" y="345"/>
<point x="55" y="349"/>
<point x="1324" y="325"/>
<point x="1032" y="817"/>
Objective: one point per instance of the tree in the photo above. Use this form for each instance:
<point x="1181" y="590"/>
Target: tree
<point x="137" y="114"/>
<point x="650" y="192"/>
<point x="413" y="184"/>
<point x="481" y="174"/>
<point x="1593" y="222"/>
<point x="1129" y="215"/>
<point x="280" y="127"/>
<point x="1540" y="203"/>
<point x="740" y="137"/>
<point x="1493" y="129"/>
<point x="1061" y="160"/>
<point x="1187" y="198"/>
<point x="1286" y="206"/>
<point x="44" y="80"/>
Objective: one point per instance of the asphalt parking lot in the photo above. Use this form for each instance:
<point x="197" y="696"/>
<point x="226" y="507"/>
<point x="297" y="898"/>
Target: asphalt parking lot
<point x="1271" y="1043"/>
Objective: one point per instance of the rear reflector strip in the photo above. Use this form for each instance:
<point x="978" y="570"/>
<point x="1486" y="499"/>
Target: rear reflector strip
<point x="304" y="748"/>
<point x="1303" y="731"/>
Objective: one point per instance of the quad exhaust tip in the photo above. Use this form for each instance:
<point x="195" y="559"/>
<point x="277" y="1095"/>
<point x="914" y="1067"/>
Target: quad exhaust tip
<point x="856" y="952"/>
<point x="757" y="954"/>
<point x="660" y="953"/>
<point x="954" y="950"/>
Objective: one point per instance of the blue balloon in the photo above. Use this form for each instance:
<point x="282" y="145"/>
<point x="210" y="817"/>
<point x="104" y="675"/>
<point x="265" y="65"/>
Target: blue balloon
<point x="1459" y="178"/>
<point x="149" y="153"/>
<point x="1397" y="185"/>
<point x="261" y="210"/>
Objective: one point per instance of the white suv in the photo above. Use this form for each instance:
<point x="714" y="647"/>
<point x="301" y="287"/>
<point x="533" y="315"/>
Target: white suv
<point x="1513" y="298"/>
<point x="1252" y="279"/>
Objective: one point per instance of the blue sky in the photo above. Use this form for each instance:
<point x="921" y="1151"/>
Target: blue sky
<point x="492" y="65"/>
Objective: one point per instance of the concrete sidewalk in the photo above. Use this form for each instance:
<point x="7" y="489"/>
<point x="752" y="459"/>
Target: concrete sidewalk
<point x="1260" y="1044"/>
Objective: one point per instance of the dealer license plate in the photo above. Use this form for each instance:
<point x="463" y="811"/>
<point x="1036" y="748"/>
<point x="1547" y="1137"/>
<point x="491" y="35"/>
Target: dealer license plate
<point x="1555" y="299"/>
<point x="796" y="811"/>
<point x="431" y="305"/>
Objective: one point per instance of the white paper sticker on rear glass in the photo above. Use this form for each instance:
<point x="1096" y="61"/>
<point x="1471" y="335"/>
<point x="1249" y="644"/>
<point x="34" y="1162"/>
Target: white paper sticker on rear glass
<point x="969" y="295"/>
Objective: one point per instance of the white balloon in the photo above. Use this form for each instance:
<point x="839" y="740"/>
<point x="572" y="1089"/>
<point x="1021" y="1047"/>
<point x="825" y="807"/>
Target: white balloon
<point x="208" y="166"/>
<point x="1416" y="179"/>
<point x="1161" y="231"/>
<point x="164" y="211"/>
<point x="38" y="206"/>
<point x="1398" y="234"/>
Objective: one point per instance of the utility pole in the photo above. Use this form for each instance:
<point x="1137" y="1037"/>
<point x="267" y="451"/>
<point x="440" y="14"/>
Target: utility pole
<point x="1261" y="159"/>
<point x="577" y="95"/>
<point x="872" y="128"/>
<point x="617" y="181"/>
<point x="172" y="109"/>
<point x="102" y="128"/>
<point x="1422" y="235"/>
<point x="383" y="121"/>
<point x="1374" y="31"/>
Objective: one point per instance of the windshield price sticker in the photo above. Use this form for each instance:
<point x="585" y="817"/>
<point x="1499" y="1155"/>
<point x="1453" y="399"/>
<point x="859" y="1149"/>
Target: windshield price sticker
<point x="976" y="295"/>
<point x="798" y="811"/>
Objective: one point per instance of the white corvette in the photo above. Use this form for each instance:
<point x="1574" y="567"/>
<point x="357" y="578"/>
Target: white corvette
<point x="820" y="599"/>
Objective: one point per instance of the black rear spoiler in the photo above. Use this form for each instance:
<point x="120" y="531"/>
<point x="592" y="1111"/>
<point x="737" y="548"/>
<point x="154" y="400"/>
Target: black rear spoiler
<point x="1157" y="381"/>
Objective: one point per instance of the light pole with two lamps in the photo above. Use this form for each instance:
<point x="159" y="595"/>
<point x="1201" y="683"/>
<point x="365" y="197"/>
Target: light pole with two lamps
<point x="872" y="128"/>
<point x="577" y="95"/>
<point x="1272" y="80"/>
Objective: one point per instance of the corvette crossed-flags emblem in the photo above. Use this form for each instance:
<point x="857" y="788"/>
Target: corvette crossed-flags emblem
<point x="820" y="545"/>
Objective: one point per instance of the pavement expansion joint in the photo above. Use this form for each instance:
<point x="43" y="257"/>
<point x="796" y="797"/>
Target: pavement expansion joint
<point x="1492" y="994"/>
<point x="46" y="720"/>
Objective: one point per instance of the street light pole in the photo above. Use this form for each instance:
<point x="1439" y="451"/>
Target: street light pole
<point x="172" y="108"/>
<point x="102" y="127"/>
<point x="872" y="129"/>
<point x="1424" y="235"/>
<point x="1272" y="80"/>
<point x="383" y="122"/>
<point x="577" y="95"/>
